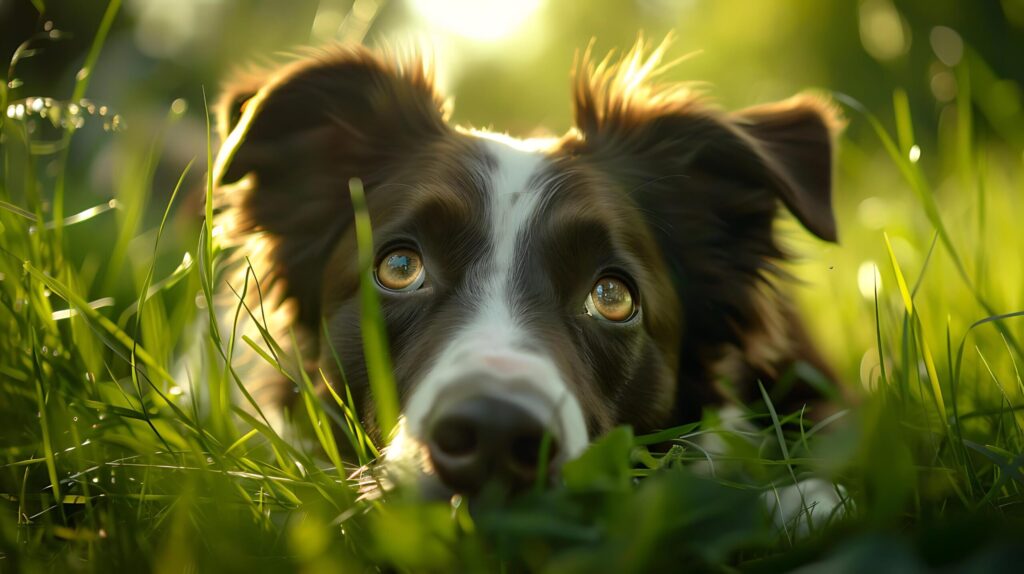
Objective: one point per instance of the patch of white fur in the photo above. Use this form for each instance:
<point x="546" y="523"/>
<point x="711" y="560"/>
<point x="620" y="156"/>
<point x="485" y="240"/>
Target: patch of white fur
<point x="809" y="504"/>
<point x="486" y="356"/>
<point x="466" y="369"/>
<point x="796" y="509"/>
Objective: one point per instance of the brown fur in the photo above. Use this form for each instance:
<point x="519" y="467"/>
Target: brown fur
<point x="702" y="187"/>
<point x="710" y="182"/>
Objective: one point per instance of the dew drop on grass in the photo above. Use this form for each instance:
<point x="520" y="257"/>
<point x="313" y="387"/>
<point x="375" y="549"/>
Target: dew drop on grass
<point x="179" y="106"/>
<point x="915" y="154"/>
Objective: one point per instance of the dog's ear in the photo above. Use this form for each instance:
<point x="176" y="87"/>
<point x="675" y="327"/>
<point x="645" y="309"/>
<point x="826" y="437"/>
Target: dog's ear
<point x="789" y="147"/>
<point x="785" y="148"/>
<point x="295" y="140"/>
<point x="348" y="95"/>
<point x="234" y="99"/>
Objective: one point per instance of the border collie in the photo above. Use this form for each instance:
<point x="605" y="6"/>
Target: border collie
<point x="626" y="273"/>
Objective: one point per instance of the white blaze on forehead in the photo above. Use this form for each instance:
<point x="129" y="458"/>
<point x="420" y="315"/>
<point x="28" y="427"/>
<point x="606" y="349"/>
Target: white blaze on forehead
<point x="514" y="198"/>
<point x="487" y="355"/>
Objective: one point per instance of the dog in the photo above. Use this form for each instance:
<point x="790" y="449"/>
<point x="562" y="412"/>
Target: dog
<point x="625" y="273"/>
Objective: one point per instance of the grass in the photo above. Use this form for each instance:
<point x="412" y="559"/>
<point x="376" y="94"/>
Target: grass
<point x="106" y="465"/>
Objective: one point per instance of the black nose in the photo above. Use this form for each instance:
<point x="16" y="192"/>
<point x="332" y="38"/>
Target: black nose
<point x="485" y="439"/>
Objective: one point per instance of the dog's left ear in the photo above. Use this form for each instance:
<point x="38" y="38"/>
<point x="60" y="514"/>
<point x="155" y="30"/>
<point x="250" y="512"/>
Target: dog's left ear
<point x="785" y="147"/>
<point x="788" y="145"/>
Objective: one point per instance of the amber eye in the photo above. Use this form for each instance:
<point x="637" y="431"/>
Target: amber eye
<point x="400" y="270"/>
<point x="611" y="299"/>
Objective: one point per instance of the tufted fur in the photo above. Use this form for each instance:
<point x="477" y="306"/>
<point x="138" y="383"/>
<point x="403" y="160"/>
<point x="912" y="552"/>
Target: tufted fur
<point x="689" y="190"/>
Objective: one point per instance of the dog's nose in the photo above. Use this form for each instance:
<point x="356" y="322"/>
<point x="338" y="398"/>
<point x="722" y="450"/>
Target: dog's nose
<point x="483" y="439"/>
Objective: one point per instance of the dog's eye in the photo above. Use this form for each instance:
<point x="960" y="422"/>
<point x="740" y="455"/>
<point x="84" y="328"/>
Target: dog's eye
<point x="400" y="270"/>
<point x="611" y="299"/>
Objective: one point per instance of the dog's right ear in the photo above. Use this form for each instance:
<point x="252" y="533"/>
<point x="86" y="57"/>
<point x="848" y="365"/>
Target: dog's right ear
<point x="349" y="93"/>
<point x="234" y="98"/>
<point x="300" y="135"/>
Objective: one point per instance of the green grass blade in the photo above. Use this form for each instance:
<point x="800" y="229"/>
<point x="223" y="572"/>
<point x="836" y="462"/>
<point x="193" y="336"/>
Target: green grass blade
<point x="81" y="85"/>
<point x="375" y="347"/>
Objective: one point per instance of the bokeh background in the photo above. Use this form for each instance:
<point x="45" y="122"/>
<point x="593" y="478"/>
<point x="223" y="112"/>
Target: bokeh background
<point x="506" y="64"/>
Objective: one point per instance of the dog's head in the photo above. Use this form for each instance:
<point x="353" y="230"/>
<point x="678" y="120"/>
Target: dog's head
<point x="527" y="287"/>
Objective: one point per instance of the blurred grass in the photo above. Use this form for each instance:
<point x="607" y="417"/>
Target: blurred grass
<point x="107" y="465"/>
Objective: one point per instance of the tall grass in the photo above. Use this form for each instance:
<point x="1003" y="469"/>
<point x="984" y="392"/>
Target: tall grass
<point x="107" y="465"/>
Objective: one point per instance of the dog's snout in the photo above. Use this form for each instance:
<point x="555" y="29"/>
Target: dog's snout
<point x="485" y="439"/>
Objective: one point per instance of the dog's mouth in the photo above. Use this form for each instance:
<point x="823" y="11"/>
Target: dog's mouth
<point x="496" y="491"/>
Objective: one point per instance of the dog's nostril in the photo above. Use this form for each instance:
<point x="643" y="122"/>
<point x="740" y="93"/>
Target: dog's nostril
<point x="483" y="439"/>
<point x="456" y="437"/>
<point x="525" y="451"/>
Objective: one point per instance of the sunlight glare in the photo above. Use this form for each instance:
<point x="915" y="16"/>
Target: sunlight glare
<point x="869" y="279"/>
<point x="482" y="20"/>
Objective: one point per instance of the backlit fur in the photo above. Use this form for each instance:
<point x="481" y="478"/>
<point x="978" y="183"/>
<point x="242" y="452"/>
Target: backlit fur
<point x="653" y="183"/>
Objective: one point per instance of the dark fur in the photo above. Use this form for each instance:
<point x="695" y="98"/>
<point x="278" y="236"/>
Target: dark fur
<point x="653" y="181"/>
